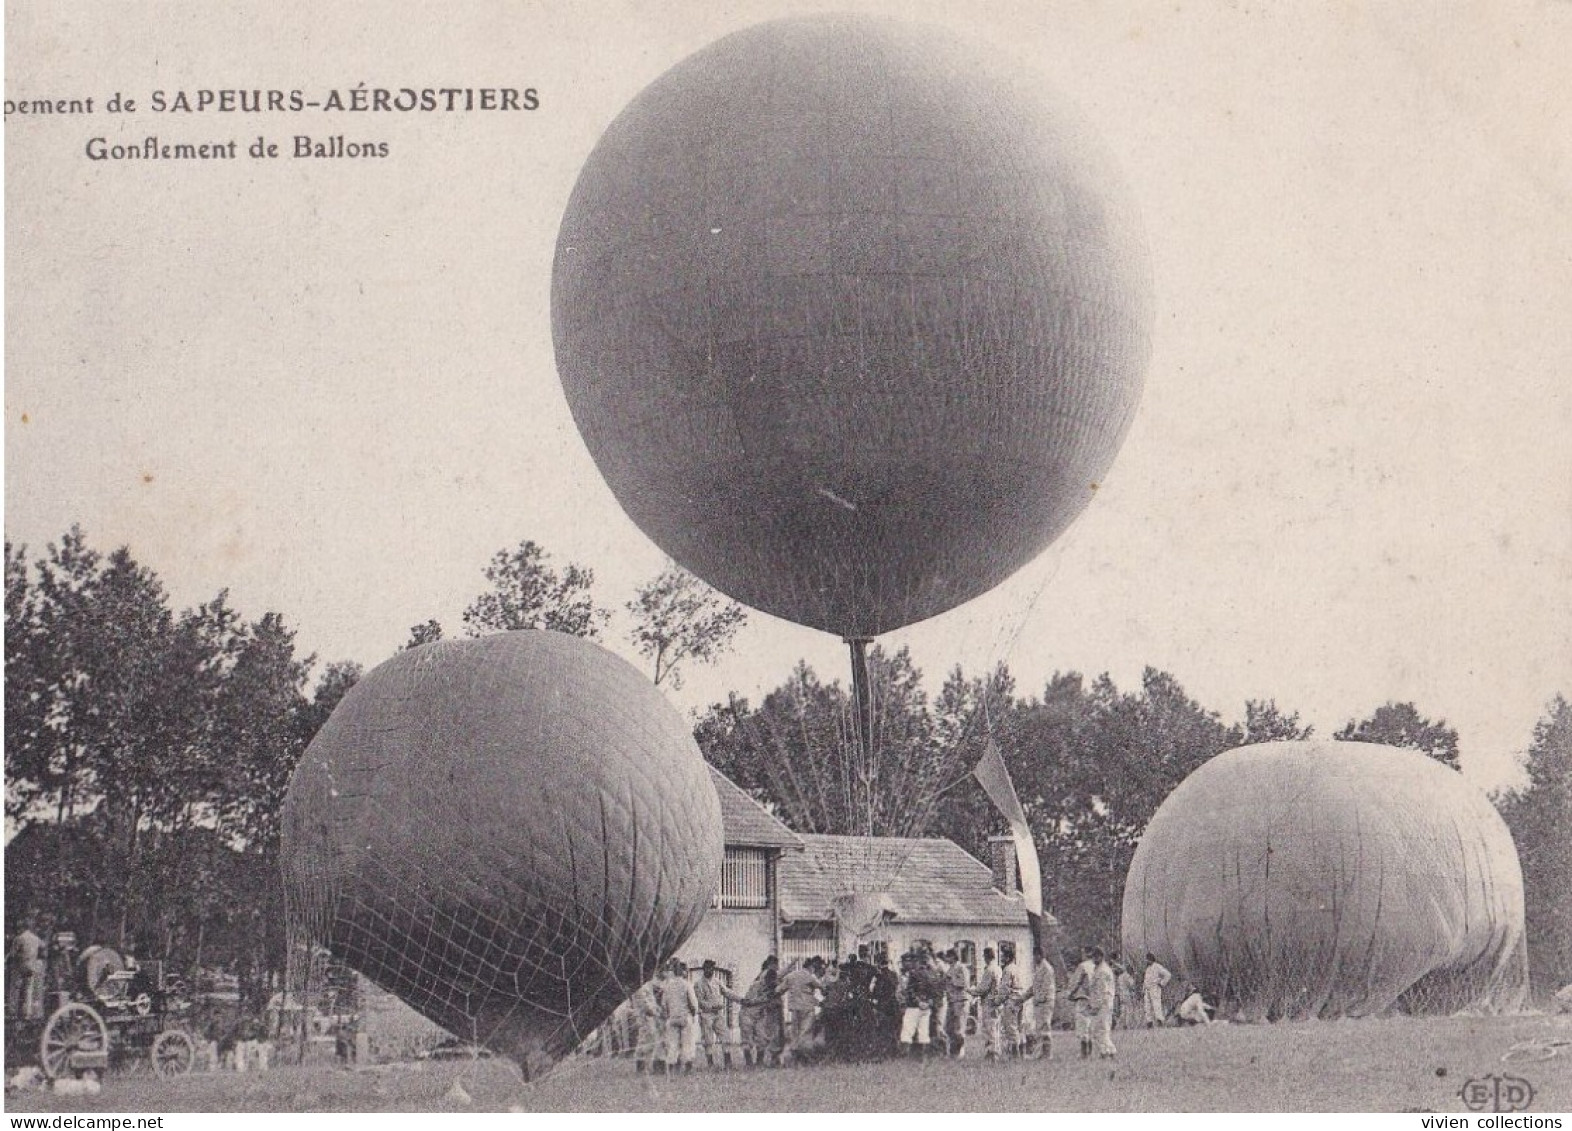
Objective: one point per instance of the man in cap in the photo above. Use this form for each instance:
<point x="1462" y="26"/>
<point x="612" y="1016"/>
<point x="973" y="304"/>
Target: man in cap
<point x="679" y="1007"/>
<point x="761" y="1015"/>
<point x="1156" y="977"/>
<point x="1015" y="989"/>
<point x="1080" y="988"/>
<point x="1043" y="995"/>
<point x="710" y="993"/>
<point x="959" y="977"/>
<point x="987" y="994"/>
<point x="648" y="1034"/>
<point x="1100" y="1000"/>
<point x="800" y="986"/>
<point x="25" y="986"/>
<point x="919" y="988"/>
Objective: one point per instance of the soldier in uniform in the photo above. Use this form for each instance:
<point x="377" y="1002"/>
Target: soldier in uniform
<point x="959" y="977"/>
<point x="919" y="988"/>
<point x="1014" y="991"/>
<point x="761" y="1015"/>
<point x="987" y="994"/>
<point x="1043" y="995"/>
<point x="1080" y="988"/>
<point x="1100" y="1000"/>
<point x="710" y="993"/>
<point x="25" y="957"/>
<point x="647" y="1035"/>
<point x="679" y="1007"/>
<point x="1152" y="983"/>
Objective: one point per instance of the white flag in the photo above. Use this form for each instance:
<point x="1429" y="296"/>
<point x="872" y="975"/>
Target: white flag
<point x="995" y="780"/>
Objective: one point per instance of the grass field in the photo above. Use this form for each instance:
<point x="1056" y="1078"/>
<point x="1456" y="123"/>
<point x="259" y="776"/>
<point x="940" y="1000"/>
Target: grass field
<point x="1391" y="1064"/>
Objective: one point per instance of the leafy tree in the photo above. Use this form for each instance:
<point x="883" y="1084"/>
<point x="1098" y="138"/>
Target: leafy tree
<point x="1540" y="815"/>
<point x="258" y="731"/>
<point x="334" y="683"/>
<point x="428" y="633"/>
<point x="1401" y="724"/>
<point x="147" y="753"/>
<point x="527" y="593"/>
<point x="62" y="647"/>
<point x="797" y="752"/>
<point x="677" y="617"/>
<point x="1091" y="765"/>
<point x="27" y="770"/>
<point x="1265" y="722"/>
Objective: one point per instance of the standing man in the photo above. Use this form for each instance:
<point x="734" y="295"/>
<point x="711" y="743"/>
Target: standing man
<point x="800" y="986"/>
<point x="25" y="957"/>
<point x="1080" y="989"/>
<point x="710" y="993"/>
<point x="647" y="1035"/>
<point x="1044" y="991"/>
<point x="679" y="1007"/>
<point x="887" y="1008"/>
<point x="1152" y="983"/>
<point x="761" y="1015"/>
<point x="1100" y="999"/>
<point x="987" y="994"/>
<point x="959" y="977"/>
<point x="1015" y="989"/>
<point x="918" y="990"/>
<point x="1125" y="1012"/>
<point x="939" y="1018"/>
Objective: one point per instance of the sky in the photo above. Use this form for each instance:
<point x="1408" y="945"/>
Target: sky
<point x="328" y="385"/>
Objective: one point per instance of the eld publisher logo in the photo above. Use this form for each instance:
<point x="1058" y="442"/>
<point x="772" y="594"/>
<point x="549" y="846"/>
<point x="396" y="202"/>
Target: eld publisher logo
<point x="1497" y="1093"/>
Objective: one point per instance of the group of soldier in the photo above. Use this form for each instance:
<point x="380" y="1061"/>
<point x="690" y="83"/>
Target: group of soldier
<point x="860" y="1010"/>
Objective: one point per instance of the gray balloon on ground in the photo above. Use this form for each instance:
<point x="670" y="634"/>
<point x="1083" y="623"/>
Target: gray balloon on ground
<point x="1325" y="879"/>
<point x="853" y="318"/>
<point x="509" y="833"/>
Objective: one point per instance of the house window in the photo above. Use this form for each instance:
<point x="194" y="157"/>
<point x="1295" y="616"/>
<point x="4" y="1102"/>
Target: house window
<point x="745" y="878"/>
<point x="876" y="952"/>
<point x="802" y="941"/>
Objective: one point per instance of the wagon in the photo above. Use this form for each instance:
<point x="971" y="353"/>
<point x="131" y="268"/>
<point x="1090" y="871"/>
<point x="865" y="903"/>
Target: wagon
<point x="112" y="1014"/>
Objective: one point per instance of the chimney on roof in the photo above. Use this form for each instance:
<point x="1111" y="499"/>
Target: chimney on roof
<point x="1006" y="875"/>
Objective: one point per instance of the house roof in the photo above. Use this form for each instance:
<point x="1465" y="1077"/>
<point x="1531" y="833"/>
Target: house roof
<point x="747" y="823"/>
<point x="930" y="880"/>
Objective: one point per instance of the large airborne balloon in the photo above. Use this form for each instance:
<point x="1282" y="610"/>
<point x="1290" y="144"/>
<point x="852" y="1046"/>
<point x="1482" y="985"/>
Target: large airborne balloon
<point x="509" y="833"/>
<point x="1329" y="879"/>
<point x="852" y="319"/>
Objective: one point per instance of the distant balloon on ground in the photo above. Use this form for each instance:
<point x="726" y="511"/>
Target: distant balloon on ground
<point x="509" y="833"/>
<point x="1327" y="879"/>
<point x="853" y="319"/>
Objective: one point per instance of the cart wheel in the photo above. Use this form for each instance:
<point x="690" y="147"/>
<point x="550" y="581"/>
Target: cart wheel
<point x="72" y="1029"/>
<point x="172" y="1054"/>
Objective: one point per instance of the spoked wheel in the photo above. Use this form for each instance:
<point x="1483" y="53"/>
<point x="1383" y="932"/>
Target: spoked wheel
<point x="75" y="1038"/>
<point x="173" y="1054"/>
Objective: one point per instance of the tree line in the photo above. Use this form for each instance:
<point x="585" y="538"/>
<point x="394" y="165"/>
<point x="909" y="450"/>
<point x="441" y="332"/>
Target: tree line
<point x="148" y="751"/>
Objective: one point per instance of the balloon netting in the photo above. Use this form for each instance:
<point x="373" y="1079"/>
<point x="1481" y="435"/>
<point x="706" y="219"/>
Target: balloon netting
<point x="508" y="834"/>
<point x="850" y="349"/>
<point x="1304" y="880"/>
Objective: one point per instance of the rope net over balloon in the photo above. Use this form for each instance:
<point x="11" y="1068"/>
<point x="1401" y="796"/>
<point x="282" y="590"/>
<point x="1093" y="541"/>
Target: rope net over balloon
<point x="803" y="747"/>
<point x="852" y="319"/>
<point x="1321" y="879"/>
<point x="510" y="834"/>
